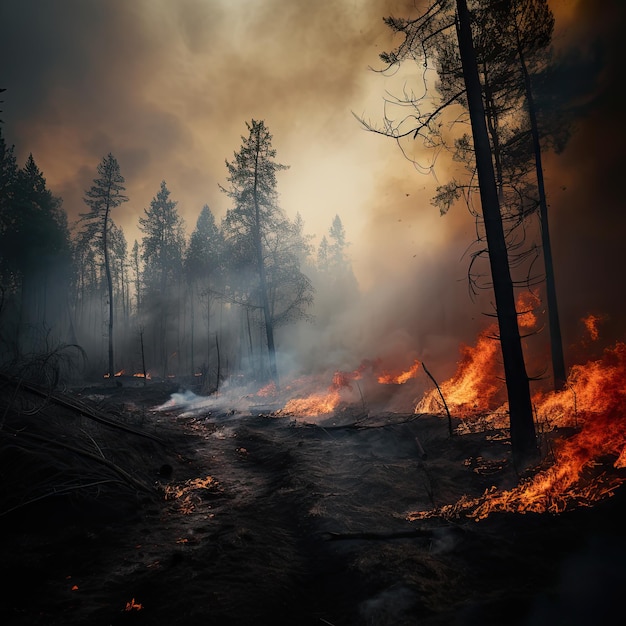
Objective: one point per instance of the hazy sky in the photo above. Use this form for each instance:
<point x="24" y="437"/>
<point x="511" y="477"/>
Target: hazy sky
<point x="168" y="85"/>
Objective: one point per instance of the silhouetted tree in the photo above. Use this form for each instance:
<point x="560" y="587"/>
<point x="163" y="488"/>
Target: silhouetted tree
<point x="522" y="427"/>
<point x="134" y="260"/>
<point x="259" y="238"/>
<point x="163" y="246"/>
<point x="203" y="272"/>
<point x="429" y="37"/>
<point x="36" y="252"/>
<point x="323" y="253"/>
<point x="8" y="180"/>
<point x="511" y="39"/>
<point x="102" y="197"/>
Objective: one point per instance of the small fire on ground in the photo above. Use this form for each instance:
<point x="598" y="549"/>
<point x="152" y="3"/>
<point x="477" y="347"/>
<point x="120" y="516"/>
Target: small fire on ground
<point x="580" y="469"/>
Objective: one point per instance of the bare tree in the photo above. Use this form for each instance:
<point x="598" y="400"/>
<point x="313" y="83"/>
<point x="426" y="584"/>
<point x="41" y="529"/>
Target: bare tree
<point x="429" y="37"/>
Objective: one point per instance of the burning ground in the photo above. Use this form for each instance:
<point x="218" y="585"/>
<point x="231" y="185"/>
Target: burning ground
<point x="315" y="503"/>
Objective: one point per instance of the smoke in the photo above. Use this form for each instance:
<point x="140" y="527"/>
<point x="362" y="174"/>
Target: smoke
<point x="167" y="88"/>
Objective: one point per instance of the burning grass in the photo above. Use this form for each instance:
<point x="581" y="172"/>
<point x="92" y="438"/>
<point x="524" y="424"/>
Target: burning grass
<point x="579" y="469"/>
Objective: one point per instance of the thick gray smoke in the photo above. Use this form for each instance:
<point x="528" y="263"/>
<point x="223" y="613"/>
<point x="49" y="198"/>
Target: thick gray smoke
<point x="167" y="88"/>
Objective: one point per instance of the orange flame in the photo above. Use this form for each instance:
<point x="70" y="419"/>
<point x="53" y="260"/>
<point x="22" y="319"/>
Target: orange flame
<point x="399" y="379"/>
<point x="591" y="323"/>
<point x="319" y="403"/>
<point x="268" y="390"/>
<point x="476" y="383"/>
<point x="595" y="398"/>
<point x="477" y="386"/>
<point x="527" y="303"/>
<point x="120" y="373"/>
<point x="132" y="605"/>
<point x="315" y="404"/>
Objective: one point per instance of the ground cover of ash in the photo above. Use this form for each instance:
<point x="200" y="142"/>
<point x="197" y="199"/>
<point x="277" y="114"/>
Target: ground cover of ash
<point x="240" y="517"/>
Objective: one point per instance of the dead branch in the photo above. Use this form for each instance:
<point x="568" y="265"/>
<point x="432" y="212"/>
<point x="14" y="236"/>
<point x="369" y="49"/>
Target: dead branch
<point x="75" y="406"/>
<point x="89" y="455"/>
<point x="445" y="405"/>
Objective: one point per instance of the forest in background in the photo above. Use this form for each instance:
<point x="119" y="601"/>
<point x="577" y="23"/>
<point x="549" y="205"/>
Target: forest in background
<point x="178" y="305"/>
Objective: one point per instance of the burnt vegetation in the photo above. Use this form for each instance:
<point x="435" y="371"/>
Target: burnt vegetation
<point x="160" y="465"/>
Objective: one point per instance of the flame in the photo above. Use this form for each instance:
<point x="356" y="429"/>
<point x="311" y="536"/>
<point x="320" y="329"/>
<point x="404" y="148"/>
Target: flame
<point x="319" y="403"/>
<point x="477" y="386"/>
<point x="141" y="375"/>
<point x="595" y="399"/>
<point x="120" y="373"/>
<point x="315" y="404"/>
<point x="399" y="379"/>
<point x="344" y="379"/>
<point x="591" y="323"/>
<point x="133" y="605"/>
<point x="268" y="390"/>
<point x="526" y="305"/>
<point x="476" y="383"/>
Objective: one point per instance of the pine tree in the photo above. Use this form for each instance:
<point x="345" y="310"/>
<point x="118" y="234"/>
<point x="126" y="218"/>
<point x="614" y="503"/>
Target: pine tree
<point x="203" y="272"/>
<point x="163" y="247"/>
<point x="102" y="197"/>
<point x="37" y="252"/>
<point x="261" y="239"/>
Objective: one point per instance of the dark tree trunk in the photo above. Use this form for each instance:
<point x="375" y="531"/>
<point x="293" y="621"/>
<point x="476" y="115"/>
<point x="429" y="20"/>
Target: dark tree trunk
<point x="109" y="279"/>
<point x="523" y="436"/>
<point x="265" y="303"/>
<point x="556" y="342"/>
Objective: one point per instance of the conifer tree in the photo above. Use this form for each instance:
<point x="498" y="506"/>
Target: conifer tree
<point x="261" y="239"/>
<point x="102" y="197"/>
<point x="163" y="245"/>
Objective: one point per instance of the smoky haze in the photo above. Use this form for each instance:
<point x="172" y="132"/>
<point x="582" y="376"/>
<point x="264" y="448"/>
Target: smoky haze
<point x="168" y="86"/>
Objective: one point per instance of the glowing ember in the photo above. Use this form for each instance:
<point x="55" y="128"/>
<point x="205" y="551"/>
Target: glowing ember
<point x="399" y="379"/>
<point x="188" y="493"/>
<point x="133" y="606"/>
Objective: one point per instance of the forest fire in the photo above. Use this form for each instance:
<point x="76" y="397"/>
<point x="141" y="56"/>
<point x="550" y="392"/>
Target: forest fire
<point x="582" y="468"/>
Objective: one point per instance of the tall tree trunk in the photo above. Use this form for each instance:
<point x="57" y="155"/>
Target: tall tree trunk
<point x="219" y="365"/>
<point x="208" y="329"/>
<point x="265" y="303"/>
<point x="556" y="342"/>
<point x="109" y="279"/>
<point x="192" y="324"/>
<point x="522" y="427"/>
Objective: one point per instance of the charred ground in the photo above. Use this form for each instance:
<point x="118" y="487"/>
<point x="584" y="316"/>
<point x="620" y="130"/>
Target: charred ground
<point x="114" y="513"/>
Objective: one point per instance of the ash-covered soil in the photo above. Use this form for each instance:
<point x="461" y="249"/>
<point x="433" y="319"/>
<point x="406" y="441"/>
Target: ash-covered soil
<point x="249" y="518"/>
